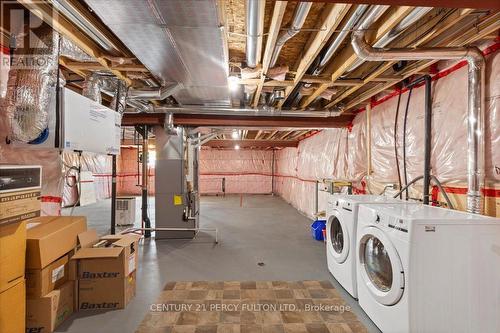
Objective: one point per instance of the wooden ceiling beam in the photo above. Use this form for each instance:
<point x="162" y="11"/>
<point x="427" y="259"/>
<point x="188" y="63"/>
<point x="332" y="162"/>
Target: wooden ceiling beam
<point x="97" y="66"/>
<point x="347" y="57"/>
<point x="492" y="23"/>
<point x="331" y="19"/>
<point x="274" y="29"/>
<point x="442" y="28"/>
<point x="251" y="143"/>
<point x="480" y="4"/>
<point x="45" y="12"/>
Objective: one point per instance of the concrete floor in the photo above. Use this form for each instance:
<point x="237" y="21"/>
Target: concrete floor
<point x="266" y="229"/>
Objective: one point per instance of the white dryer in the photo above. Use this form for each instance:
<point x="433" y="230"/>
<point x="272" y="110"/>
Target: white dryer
<point x="342" y="213"/>
<point x="428" y="269"/>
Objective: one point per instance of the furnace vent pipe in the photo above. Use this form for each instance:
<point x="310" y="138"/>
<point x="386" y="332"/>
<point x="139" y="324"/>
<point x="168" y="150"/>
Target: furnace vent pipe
<point x="416" y="14"/>
<point x="154" y="93"/>
<point x="298" y="21"/>
<point x="255" y="17"/>
<point x="475" y="115"/>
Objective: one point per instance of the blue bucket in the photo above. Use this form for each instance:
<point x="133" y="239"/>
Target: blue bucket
<point x="317" y="229"/>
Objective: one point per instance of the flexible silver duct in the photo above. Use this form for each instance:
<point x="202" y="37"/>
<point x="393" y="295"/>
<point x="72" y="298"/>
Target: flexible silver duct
<point x="154" y="93"/>
<point x="254" y="39"/>
<point x="119" y="96"/>
<point x="475" y="116"/>
<point x="416" y="14"/>
<point x="92" y="87"/>
<point x="298" y="20"/>
<point x="72" y="51"/>
<point x="32" y="83"/>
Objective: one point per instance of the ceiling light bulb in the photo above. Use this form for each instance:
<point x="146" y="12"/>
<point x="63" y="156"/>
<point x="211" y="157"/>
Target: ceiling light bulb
<point x="235" y="135"/>
<point x="236" y="147"/>
<point x="233" y="83"/>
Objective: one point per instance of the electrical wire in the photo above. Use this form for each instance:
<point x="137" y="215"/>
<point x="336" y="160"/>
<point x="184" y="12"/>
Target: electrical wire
<point x="77" y="183"/>
<point x="396" y="142"/>
<point x="405" y="173"/>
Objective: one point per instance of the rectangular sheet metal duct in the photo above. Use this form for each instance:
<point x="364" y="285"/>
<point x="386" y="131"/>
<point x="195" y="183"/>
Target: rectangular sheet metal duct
<point x="177" y="40"/>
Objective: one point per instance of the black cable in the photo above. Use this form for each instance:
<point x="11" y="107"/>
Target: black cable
<point x="404" y="141"/>
<point x="396" y="143"/>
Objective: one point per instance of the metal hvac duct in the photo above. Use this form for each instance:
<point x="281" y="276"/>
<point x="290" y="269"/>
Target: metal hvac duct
<point x="92" y="87"/>
<point x="255" y="16"/>
<point x="475" y="117"/>
<point x="416" y="14"/>
<point x="245" y="112"/>
<point x="32" y="83"/>
<point x="297" y="22"/>
<point x="339" y="39"/>
<point x="154" y="93"/>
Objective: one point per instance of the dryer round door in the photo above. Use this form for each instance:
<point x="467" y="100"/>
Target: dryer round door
<point x="337" y="237"/>
<point x="381" y="267"/>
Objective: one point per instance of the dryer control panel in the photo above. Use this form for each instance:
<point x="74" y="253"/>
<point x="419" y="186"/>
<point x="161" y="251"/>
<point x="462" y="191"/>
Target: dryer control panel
<point x="390" y="223"/>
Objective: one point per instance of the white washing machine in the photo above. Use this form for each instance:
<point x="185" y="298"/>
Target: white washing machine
<point x="342" y="212"/>
<point x="428" y="269"/>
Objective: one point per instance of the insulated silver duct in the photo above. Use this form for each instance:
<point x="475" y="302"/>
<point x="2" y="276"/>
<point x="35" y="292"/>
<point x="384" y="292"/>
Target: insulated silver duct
<point x="475" y="116"/>
<point x="298" y="21"/>
<point x="92" y="87"/>
<point x="154" y="93"/>
<point x="416" y="14"/>
<point x="72" y="51"/>
<point x="255" y="17"/>
<point x="119" y="96"/>
<point x="32" y="83"/>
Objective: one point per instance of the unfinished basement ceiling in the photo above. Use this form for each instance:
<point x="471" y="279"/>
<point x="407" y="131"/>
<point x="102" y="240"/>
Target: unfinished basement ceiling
<point x="200" y="44"/>
<point x="177" y="40"/>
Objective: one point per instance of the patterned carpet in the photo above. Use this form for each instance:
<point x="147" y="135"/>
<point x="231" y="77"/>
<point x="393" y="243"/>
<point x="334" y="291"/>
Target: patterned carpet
<point x="250" y="307"/>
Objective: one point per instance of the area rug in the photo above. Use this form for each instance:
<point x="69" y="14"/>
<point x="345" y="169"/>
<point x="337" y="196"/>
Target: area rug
<point x="250" y="307"/>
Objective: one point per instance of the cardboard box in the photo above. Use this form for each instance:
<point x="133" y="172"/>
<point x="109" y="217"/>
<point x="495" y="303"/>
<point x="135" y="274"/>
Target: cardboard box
<point x="113" y="256"/>
<point x="13" y="309"/>
<point x="106" y="293"/>
<point x="12" y="254"/>
<point x="72" y="267"/>
<point x="44" y="314"/>
<point x="19" y="205"/>
<point x="51" y="237"/>
<point x="40" y="282"/>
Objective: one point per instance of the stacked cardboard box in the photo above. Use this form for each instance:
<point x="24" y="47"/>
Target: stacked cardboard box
<point x="50" y="285"/>
<point x="20" y="188"/>
<point x="106" y="270"/>
<point x="12" y="286"/>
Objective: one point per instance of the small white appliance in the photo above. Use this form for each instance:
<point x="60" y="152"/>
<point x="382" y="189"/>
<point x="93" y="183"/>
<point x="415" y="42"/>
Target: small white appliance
<point x="428" y="269"/>
<point x="125" y="211"/>
<point x="342" y="218"/>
